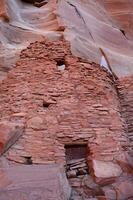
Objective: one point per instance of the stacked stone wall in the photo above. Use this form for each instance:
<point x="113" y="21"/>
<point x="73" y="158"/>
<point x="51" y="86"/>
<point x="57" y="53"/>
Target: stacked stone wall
<point x="54" y="107"/>
<point x="76" y="105"/>
<point x="125" y="89"/>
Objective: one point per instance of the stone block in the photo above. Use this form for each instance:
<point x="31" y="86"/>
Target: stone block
<point x="124" y="189"/>
<point x="40" y="182"/>
<point x="104" y="169"/>
<point x="9" y="134"/>
<point x="35" y="123"/>
<point x="110" y="193"/>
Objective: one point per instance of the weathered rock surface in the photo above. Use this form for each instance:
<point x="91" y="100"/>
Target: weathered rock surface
<point x="76" y="105"/>
<point x="124" y="189"/>
<point x="76" y="167"/>
<point x="106" y="169"/>
<point x="86" y="109"/>
<point x="100" y="24"/>
<point x="92" y="27"/>
<point x="34" y="183"/>
<point x="84" y="187"/>
<point x="63" y="99"/>
<point x="36" y="123"/>
<point x="20" y="24"/>
<point x="9" y="134"/>
<point x="125" y="89"/>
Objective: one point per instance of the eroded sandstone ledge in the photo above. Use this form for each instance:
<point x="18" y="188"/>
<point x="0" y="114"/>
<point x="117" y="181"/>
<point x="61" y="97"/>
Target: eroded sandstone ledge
<point x="89" y="26"/>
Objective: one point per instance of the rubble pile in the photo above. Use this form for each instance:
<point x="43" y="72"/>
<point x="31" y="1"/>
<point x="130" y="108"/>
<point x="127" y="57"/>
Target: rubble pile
<point x="76" y="167"/>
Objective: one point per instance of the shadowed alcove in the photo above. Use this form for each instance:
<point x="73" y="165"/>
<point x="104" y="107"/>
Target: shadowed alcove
<point x="76" y="160"/>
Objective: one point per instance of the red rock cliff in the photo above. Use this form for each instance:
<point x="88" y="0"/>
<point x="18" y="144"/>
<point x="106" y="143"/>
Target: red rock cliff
<point x="65" y="99"/>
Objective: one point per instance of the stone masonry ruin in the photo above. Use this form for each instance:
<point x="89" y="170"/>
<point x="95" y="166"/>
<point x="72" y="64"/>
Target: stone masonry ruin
<point x="77" y="109"/>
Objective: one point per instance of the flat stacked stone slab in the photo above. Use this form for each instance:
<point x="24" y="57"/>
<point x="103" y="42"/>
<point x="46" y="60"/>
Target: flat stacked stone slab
<point x="36" y="182"/>
<point x="76" y="167"/>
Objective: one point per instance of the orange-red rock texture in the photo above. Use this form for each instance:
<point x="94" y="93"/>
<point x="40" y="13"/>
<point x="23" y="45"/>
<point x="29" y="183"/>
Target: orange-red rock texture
<point x="100" y="24"/>
<point x="77" y="105"/>
<point x="125" y="88"/>
<point x="56" y="95"/>
<point x="81" y="105"/>
<point x="20" y="24"/>
<point x="89" y="26"/>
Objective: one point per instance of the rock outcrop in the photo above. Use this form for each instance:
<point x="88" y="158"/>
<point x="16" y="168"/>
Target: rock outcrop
<point x="20" y="24"/>
<point x="66" y="104"/>
<point x="34" y="183"/>
<point x="92" y="27"/>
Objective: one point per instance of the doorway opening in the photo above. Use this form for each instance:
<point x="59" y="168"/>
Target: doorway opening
<point x="76" y="160"/>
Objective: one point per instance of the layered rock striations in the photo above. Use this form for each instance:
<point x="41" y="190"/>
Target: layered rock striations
<point x="95" y="25"/>
<point x="20" y="24"/>
<point x="125" y="89"/>
<point x="92" y="27"/>
<point x="65" y="99"/>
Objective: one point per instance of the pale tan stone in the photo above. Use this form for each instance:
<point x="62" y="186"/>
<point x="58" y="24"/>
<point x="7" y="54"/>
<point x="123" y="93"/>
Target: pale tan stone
<point x="106" y="169"/>
<point x="35" y="123"/>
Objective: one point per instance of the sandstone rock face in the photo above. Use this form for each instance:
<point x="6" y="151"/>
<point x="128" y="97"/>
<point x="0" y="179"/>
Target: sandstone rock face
<point x="124" y="189"/>
<point x="93" y="27"/>
<point x="121" y="14"/>
<point x="34" y="183"/>
<point x="3" y="11"/>
<point x="100" y="24"/>
<point x="9" y="134"/>
<point x="66" y="99"/>
<point x="20" y="24"/>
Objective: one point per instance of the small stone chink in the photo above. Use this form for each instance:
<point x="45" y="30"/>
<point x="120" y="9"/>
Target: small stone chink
<point x="61" y="65"/>
<point x="46" y="104"/>
<point x="123" y="32"/>
<point x="28" y="160"/>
